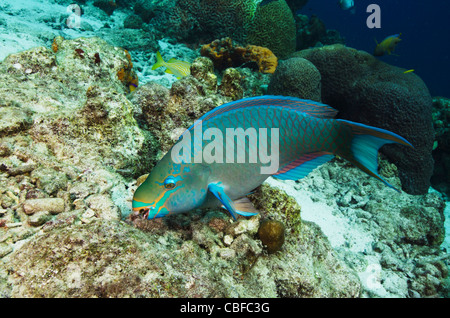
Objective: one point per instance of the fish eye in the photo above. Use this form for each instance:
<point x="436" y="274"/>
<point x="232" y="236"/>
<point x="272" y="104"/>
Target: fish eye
<point x="169" y="183"/>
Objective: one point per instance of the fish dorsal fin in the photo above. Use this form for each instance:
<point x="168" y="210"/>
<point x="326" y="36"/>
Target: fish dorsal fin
<point x="173" y="60"/>
<point x="302" y="166"/>
<point x="309" y="107"/>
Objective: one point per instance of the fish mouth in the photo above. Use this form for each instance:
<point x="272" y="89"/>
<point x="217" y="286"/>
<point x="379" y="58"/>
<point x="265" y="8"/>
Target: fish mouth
<point x="142" y="212"/>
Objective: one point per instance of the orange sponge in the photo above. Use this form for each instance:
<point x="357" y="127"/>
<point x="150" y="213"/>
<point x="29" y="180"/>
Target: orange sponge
<point x="225" y="54"/>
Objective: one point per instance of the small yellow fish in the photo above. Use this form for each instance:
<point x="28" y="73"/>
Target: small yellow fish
<point x="408" y="71"/>
<point x="387" y="45"/>
<point x="174" y="66"/>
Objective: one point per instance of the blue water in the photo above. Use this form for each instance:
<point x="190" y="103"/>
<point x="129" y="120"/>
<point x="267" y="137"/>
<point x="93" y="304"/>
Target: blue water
<point x="425" y="28"/>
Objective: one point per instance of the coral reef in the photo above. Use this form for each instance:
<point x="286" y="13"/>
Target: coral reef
<point x="221" y="18"/>
<point x="168" y="112"/>
<point x="388" y="238"/>
<point x="312" y="32"/>
<point x="73" y="139"/>
<point x="63" y="189"/>
<point x="372" y="92"/>
<point x="271" y="26"/>
<point x="178" y="257"/>
<point x="296" y="77"/>
<point x="441" y="148"/>
<point x="224" y="53"/>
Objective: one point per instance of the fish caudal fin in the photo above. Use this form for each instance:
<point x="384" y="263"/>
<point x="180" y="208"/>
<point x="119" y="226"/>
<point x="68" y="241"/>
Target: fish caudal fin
<point x="159" y="61"/>
<point x="364" y="146"/>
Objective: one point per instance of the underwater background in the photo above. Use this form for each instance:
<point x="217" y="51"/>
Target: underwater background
<point x="423" y="26"/>
<point x="94" y="92"/>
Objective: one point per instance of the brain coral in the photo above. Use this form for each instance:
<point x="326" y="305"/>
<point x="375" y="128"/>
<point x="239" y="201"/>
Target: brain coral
<point x="296" y="77"/>
<point x="270" y="26"/>
<point x="273" y="27"/>
<point x="221" y="18"/>
<point x="372" y="92"/>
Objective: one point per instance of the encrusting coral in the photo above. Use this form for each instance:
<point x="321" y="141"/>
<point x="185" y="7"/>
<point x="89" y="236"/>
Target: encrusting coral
<point x="224" y="53"/>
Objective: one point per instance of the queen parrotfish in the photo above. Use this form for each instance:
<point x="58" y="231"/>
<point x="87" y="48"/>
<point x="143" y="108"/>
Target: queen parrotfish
<point x="293" y="136"/>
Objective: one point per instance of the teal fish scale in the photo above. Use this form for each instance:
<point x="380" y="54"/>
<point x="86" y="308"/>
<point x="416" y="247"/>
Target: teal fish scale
<point x="299" y="132"/>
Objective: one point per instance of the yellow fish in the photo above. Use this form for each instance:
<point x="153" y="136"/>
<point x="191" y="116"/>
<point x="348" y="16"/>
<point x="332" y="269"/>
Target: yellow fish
<point x="387" y="45"/>
<point x="408" y="71"/>
<point x="174" y="66"/>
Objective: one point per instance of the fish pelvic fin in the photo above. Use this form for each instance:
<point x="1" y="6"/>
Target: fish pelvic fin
<point x="159" y="61"/>
<point x="364" y="146"/>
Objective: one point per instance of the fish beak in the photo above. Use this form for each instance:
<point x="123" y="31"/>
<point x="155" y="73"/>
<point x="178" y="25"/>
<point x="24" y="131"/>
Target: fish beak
<point x="142" y="212"/>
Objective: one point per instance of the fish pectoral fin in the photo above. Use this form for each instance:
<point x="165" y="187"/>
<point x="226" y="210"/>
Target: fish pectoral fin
<point x="220" y="194"/>
<point x="241" y="206"/>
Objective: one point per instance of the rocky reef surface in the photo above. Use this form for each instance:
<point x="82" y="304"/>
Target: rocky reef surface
<point x="73" y="141"/>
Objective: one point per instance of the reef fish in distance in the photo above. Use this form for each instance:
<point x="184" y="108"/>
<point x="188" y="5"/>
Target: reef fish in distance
<point x="308" y="136"/>
<point x="387" y="45"/>
<point x="173" y="66"/>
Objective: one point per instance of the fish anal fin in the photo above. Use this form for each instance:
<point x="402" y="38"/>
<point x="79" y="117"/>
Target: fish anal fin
<point x="245" y="207"/>
<point x="302" y="166"/>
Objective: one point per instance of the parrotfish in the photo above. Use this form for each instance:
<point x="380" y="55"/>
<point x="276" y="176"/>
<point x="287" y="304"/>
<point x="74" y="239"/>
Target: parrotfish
<point x="387" y="45"/>
<point x="198" y="173"/>
<point x="173" y="66"/>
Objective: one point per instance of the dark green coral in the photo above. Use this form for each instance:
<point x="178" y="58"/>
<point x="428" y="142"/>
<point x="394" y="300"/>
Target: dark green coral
<point x="246" y="22"/>
<point x="273" y="27"/>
